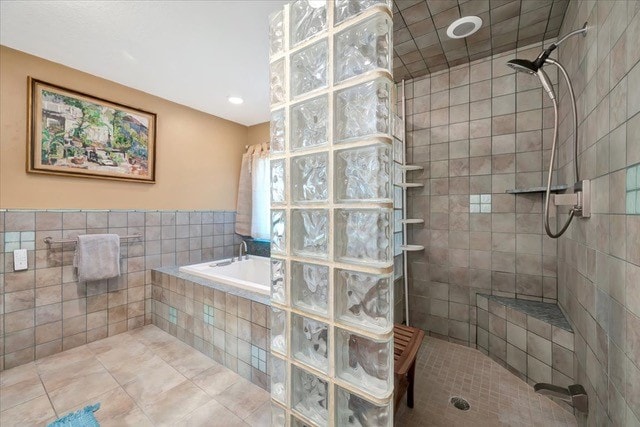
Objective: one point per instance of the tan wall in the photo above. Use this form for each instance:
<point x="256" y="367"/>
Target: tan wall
<point x="258" y="134"/>
<point x="198" y="155"/>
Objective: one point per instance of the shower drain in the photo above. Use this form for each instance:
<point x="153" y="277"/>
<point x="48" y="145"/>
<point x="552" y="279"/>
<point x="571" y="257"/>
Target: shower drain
<point x="460" y="403"/>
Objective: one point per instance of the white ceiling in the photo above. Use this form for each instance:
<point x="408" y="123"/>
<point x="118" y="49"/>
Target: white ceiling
<point x="196" y="53"/>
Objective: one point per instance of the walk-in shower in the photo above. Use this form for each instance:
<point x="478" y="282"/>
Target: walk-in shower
<point x="580" y="199"/>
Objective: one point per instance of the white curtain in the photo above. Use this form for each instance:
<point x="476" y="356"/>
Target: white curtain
<point x="253" y="205"/>
<point x="261" y="203"/>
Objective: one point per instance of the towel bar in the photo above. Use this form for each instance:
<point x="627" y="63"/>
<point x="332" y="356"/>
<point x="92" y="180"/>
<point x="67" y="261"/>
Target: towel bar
<point x="50" y="240"/>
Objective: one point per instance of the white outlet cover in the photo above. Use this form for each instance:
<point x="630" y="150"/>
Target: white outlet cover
<point x="20" y="260"/>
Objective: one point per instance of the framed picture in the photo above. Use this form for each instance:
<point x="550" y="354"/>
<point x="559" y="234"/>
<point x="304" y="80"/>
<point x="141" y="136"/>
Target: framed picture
<point x="74" y="134"/>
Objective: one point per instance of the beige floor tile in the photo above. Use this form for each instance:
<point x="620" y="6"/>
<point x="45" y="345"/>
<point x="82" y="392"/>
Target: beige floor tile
<point x="120" y="342"/>
<point x="261" y="417"/>
<point x="175" y="404"/>
<point x="193" y="364"/>
<point x="149" y="384"/>
<point x="34" y="412"/>
<point x="126" y="366"/>
<point x="217" y="379"/>
<point x="17" y="393"/>
<point x="243" y="398"/>
<point x="86" y="388"/>
<point x="213" y="414"/>
<point x="18" y="374"/>
<point x="64" y="359"/>
<point x="55" y="379"/>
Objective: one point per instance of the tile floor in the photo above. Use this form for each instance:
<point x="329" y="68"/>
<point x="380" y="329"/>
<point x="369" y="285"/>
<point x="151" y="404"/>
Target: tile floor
<point x="141" y="378"/>
<point x="497" y="397"/>
<point x="147" y="377"/>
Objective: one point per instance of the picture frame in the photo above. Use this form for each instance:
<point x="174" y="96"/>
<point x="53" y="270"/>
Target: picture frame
<point x="75" y="134"/>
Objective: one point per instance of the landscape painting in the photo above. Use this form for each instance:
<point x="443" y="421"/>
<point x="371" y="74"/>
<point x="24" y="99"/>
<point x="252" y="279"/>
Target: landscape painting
<point x="74" y="134"/>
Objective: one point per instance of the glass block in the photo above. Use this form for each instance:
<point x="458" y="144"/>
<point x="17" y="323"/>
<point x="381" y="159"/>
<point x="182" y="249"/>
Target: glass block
<point x="310" y="342"/>
<point x="364" y="300"/>
<point x="310" y="286"/>
<point x="309" y="68"/>
<point x="362" y="110"/>
<point x="397" y="220"/>
<point x="278" y="416"/>
<point x="345" y="9"/>
<point x="307" y="18"/>
<point x="363" y="47"/>
<point x="279" y="379"/>
<point x="309" y="178"/>
<point x="398" y="267"/>
<point x="277" y="130"/>
<point x="310" y="395"/>
<point x="397" y="197"/>
<point x="397" y="243"/>
<point x="277" y="181"/>
<point x="397" y="174"/>
<point x="363" y="236"/>
<point x="353" y="410"/>
<point x="398" y="131"/>
<point x="278" y="330"/>
<point x="309" y="123"/>
<point x="278" y="281"/>
<point x="278" y="242"/>
<point x="397" y="149"/>
<point x="310" y="232"/>
<point x="364" y="362"/>
<point x="362" y="174"/>
<point x="276" y="33"/>
<point x="276" y="87"/>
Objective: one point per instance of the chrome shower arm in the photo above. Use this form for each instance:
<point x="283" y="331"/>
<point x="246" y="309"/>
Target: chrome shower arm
<point x="582" y="31"/>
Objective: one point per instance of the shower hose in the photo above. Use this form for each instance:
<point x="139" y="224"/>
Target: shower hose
<point x="572" y="211"/>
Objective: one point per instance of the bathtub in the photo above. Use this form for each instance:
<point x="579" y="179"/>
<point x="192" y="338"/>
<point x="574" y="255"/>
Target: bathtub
<point x="252" y="274"/>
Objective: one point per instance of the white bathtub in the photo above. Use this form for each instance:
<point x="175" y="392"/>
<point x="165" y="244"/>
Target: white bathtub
<point x="252" y="274"/>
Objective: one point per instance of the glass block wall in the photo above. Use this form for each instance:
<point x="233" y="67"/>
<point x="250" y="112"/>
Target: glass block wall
<point x="332" y="213"/>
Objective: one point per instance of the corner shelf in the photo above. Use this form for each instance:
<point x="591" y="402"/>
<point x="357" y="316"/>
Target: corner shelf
<point x="412" y="248"/>
<point x="412" y="221"/>
<point x="409" y="185"/>
<point x="412" y="167"/>
<point x="554" y="189"/>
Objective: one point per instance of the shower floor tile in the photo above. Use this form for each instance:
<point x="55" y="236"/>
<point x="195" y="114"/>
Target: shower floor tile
<point x="497" y="397"/>
<point x="144" y="377"/>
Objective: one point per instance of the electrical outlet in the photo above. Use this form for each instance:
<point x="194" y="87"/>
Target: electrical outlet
<point x="20" y="260"/>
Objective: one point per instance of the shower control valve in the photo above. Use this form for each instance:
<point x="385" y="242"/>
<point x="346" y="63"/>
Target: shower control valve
<point x="580" y="199"/>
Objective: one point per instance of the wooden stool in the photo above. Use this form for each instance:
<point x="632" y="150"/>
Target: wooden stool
<point x="406" y="343"/>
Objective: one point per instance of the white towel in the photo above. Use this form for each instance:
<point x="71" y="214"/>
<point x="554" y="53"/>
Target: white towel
<point x="97" y="257"/>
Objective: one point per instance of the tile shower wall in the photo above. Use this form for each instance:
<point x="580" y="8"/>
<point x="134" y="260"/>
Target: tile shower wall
<point x="45" y="310"/>
<point x="599" y="258"/>
<point x="478" y="130"/>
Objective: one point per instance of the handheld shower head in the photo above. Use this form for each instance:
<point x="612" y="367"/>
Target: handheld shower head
<point x="523" y="66"/>
<point x="529" y="67"/>
<point x="546" y="84"/>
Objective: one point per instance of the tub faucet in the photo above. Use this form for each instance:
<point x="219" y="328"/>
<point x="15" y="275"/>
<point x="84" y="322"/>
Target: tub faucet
<point x="246" y="256"/>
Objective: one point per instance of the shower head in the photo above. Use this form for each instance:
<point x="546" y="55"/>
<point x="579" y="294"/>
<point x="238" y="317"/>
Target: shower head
<point x="529" y="67"/>
<point x="522" y="65"/>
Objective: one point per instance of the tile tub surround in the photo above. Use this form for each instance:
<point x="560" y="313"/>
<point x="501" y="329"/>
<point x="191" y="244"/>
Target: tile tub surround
<point x="477" y="129"/>
<point x="45" y="310"/>
<point x="229" y="325"/>
<point x="531" y="339"/>
<point x="599" y="258"/>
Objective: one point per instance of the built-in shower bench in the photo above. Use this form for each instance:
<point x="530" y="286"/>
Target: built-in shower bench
<point x="532" y="339"/>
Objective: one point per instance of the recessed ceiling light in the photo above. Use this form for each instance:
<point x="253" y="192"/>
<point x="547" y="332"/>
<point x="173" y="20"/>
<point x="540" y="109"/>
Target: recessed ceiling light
<point x="317" y="4"/>
<point x="464" y="27"/>
<point x="235" y="100"/>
